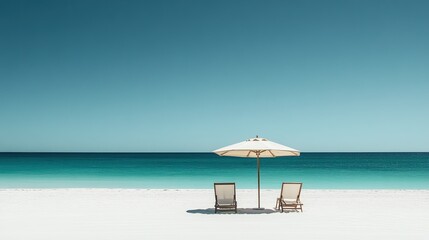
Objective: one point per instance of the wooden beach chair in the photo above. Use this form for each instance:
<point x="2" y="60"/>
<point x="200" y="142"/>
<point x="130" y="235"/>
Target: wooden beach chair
<point x="289" y="197"/>
<point x="225" y="197"/>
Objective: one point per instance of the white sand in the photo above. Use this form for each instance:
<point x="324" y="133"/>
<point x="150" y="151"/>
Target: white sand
<point x="182" y="214"/>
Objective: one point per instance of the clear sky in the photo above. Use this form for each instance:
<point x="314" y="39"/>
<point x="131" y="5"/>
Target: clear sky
<point x="197" y="75"/>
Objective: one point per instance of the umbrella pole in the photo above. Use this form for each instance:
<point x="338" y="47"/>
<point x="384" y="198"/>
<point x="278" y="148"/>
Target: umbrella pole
<point x="259" y="181"/>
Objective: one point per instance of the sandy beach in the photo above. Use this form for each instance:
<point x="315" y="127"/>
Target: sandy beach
<point x="180" y="214"/>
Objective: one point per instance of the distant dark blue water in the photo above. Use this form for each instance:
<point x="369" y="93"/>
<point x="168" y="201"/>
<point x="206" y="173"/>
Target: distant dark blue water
<point x="200" y="170"/>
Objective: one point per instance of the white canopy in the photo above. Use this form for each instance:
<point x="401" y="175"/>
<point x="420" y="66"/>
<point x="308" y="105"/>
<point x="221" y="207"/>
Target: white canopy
<point x="253" y="146"/>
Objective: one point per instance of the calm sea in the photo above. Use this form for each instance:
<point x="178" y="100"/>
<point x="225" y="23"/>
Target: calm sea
<point x="200" y="170"/>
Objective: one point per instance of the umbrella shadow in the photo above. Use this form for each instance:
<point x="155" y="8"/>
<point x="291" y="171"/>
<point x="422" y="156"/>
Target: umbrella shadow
<point x="210" y="211"/>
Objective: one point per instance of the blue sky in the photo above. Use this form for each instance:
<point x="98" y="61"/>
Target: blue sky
<point x="198" y="75"/>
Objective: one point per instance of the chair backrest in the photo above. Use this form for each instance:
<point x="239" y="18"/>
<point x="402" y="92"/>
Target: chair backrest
<point x="225" y="193"/>
<point x="291" y="191"/>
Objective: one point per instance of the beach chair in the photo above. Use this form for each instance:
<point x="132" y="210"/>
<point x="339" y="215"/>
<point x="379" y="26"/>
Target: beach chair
<point x="289" y="197"/>
<point x="225" y="197"/>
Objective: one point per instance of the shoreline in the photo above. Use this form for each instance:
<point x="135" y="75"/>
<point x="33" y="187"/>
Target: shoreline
<point x="211" y="189"/>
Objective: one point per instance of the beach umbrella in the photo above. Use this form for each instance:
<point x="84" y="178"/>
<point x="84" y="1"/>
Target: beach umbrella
<point x="257" y="148"/>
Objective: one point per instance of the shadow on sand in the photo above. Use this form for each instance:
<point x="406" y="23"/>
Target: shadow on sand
<point x="239" y="211"/>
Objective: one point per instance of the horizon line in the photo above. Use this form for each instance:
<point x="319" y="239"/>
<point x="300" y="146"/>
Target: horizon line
<point x="197" y="152"/>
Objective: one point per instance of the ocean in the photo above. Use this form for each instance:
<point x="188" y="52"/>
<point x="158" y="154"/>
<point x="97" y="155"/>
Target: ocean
<point x="201" y="170"/>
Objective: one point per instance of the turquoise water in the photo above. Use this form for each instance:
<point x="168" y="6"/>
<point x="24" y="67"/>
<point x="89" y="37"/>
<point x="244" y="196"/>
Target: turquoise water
<point x="200" y="170"/>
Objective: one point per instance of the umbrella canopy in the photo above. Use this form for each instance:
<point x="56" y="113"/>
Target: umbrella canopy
<point x="257" y="148"/>
<point x="254" y="146"/>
